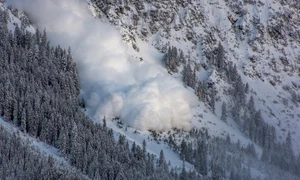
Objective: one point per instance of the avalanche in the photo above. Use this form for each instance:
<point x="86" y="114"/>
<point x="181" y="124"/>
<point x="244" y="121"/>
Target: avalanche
<point x="141" y="93"/>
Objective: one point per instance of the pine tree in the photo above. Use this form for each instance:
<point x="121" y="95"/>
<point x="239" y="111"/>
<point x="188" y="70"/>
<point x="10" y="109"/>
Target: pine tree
<point x="202" y="157"/>
<point x="144" y="149"/>
<point x="220" y="56"/>
<point x="104" y="122"/>
<point x="251" y="107"/>
<point x="288" y="153"/>
<point x="181" y="58"/>
<point x="82" y="103"/>
<point x="265" y="155"/>
<point x="23" y="121"/>
<point x="183" y="150"/>
<point x="224" y="112"/>
<point x="217" y="172"/>
<point x="247" y="88"/>
<point x="162" y="161"/>
<point x="172" y="60"/>
<point x="133" y="148"/>
<point x="183" y="174"/>
<point x="16" y="114"/>
<point x="212" y="100"/>
<point x="202" y="91"/>
<point x="62" y="141"/>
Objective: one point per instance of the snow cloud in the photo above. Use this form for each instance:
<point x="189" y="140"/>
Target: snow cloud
<point x="114" y="83"/>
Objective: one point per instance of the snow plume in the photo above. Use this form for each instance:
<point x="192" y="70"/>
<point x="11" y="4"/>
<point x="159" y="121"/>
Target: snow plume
<point x="114" y="84"/>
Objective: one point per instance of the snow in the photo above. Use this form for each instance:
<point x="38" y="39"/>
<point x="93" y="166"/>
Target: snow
<point x="268" y="98"/>
<point x="45" y="148"/>
<point x="204" y="118"/>
<point x="152" y="146"/>
<point x="115" y="81"/>
<point x="236" y="44"/>
<point x="13" y="21"/>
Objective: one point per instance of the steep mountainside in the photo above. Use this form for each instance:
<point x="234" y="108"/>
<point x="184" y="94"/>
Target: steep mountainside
<point x="212" y="87"/>
<point x="242" y="58"/>
<point x="260" y="38"/>
<point x="44" y="134"/>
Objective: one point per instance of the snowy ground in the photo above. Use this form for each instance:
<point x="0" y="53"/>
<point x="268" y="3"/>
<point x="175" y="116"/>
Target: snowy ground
<point x="268" y="98"/>
<point x="44" y="148"/>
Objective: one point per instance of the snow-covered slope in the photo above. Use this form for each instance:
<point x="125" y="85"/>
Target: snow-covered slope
<point x="262" y="40"/>
<point x="48" y="150"/>
<point x="260" y="37"/>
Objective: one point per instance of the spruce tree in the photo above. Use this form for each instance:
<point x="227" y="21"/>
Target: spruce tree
<point x="224" y="112"/>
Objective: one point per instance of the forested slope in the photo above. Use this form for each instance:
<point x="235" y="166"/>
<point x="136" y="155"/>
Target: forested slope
<point x="232" y="54"/>
<point x="19" y="160"/>
<point x="40" y="96"/>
